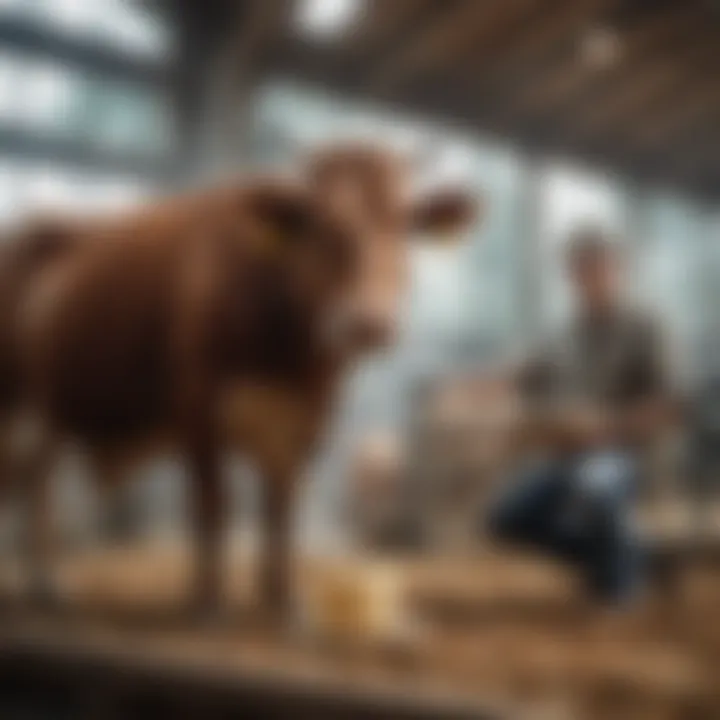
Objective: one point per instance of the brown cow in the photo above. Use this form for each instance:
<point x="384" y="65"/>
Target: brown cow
<point x="221" y="322"/>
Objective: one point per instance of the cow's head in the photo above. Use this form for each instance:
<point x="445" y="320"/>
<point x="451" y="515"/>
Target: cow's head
<point x="342" y="232"/>
<point x="369" y="191"/>
<point x="310" y="248"/>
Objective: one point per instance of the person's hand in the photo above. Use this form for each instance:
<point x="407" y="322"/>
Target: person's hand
<point x="587" y="425"/>
<point x="567" y="427"/>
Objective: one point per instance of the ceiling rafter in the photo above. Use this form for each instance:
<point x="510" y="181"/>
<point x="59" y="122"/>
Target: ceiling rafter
<point x="490" y="45"/>
<point x="475" y="43"/>
<point x="698" y="101"/>
<point x="539" y="38"/>
<point x="380" y="21"/>
<point x="529" y="49"/>
<point x="643" y="92"/>
<point x="514" y="71"/>
<point x="455" y="26"/>
<point x="570" y="75"/>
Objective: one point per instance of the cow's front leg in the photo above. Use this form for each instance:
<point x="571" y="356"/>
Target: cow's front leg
<point x="197" y="394"/>
<point x="207" y="507"/>
<point x="280" y="433"/>
<point x="276" y="555"/>
<point x="40" y="544"/>
<point x="116" y="520"/>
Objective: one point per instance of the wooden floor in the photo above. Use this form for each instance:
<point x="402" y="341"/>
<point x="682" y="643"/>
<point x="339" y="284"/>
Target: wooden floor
<point x="87" y="673"/>
<point x="501" y="637"/>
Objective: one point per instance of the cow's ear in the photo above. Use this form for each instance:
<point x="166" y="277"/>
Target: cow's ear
<point x="445" y="213"/>
<point x="285" y="213"/>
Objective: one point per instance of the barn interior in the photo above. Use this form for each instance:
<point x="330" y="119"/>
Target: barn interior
<point x="560" y="113"/>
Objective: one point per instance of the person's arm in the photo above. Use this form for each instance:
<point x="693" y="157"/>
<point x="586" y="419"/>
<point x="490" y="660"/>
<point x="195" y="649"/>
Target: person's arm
<point x="642" y="420"/>
<point x="565" y="428"/>
<point x="548" y="422"/>
<point x="654" y="403"/>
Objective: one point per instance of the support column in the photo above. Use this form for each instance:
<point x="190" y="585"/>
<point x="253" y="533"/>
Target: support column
<point x="529" y="281"/>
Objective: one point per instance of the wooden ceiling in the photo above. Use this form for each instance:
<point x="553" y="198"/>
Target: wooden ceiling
<point x="515" y="68"/>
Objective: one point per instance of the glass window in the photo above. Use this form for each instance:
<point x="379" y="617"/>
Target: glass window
<point x="29" y="188"/>
<point x="39" y="95"/>
<point x="16" y="8"/>
<point x="497" y="249"/>
<point x="672" y="274"/>
<point x="127" y="26"/>
<point x="63" y="102"/>
<point x="707" y="277"/>
<point x="10" y="73"/>
<point x="115" y="194"/>
<point x="711" y="265"/>
<point x="46" y="96"/>
<point x="122" y="117"/>
<point x="44" y="187"/>
<point x="10" y="195"/>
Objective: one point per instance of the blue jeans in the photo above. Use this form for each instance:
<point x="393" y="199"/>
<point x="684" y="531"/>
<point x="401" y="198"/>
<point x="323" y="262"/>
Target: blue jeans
<point x="578" y="510"/>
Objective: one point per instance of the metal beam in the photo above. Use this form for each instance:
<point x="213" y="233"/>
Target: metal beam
<point x="646" y="92"/>
<point x="94" y="57"/>
<point x="534" y="41"/>
<point x="30" y="146"/>
<point x="233" y="72"/>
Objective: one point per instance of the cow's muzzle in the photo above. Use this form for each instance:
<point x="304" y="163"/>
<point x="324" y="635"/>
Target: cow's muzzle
<point x="363" y="332"/>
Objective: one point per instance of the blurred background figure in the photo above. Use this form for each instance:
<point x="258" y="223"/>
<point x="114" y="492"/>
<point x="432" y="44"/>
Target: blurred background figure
<point x="606" y="395"/>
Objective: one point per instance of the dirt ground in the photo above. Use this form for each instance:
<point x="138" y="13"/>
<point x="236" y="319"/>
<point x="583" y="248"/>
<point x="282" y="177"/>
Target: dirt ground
<point x="503" y="629"/>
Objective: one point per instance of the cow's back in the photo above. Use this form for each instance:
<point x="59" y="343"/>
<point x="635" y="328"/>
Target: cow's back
<point x="25" y="255"/>
<point x="103" y="324"/>
<point x="95" y="342"/>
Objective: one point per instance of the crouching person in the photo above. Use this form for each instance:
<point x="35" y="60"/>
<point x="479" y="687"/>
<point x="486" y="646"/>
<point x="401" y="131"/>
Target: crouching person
<point x="594" y="399"/>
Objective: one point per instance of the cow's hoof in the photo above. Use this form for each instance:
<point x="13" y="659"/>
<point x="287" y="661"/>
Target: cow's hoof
<point x="208" y="615"/>
<point x="280" y="621"/>
<point x="44" y="595"/>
